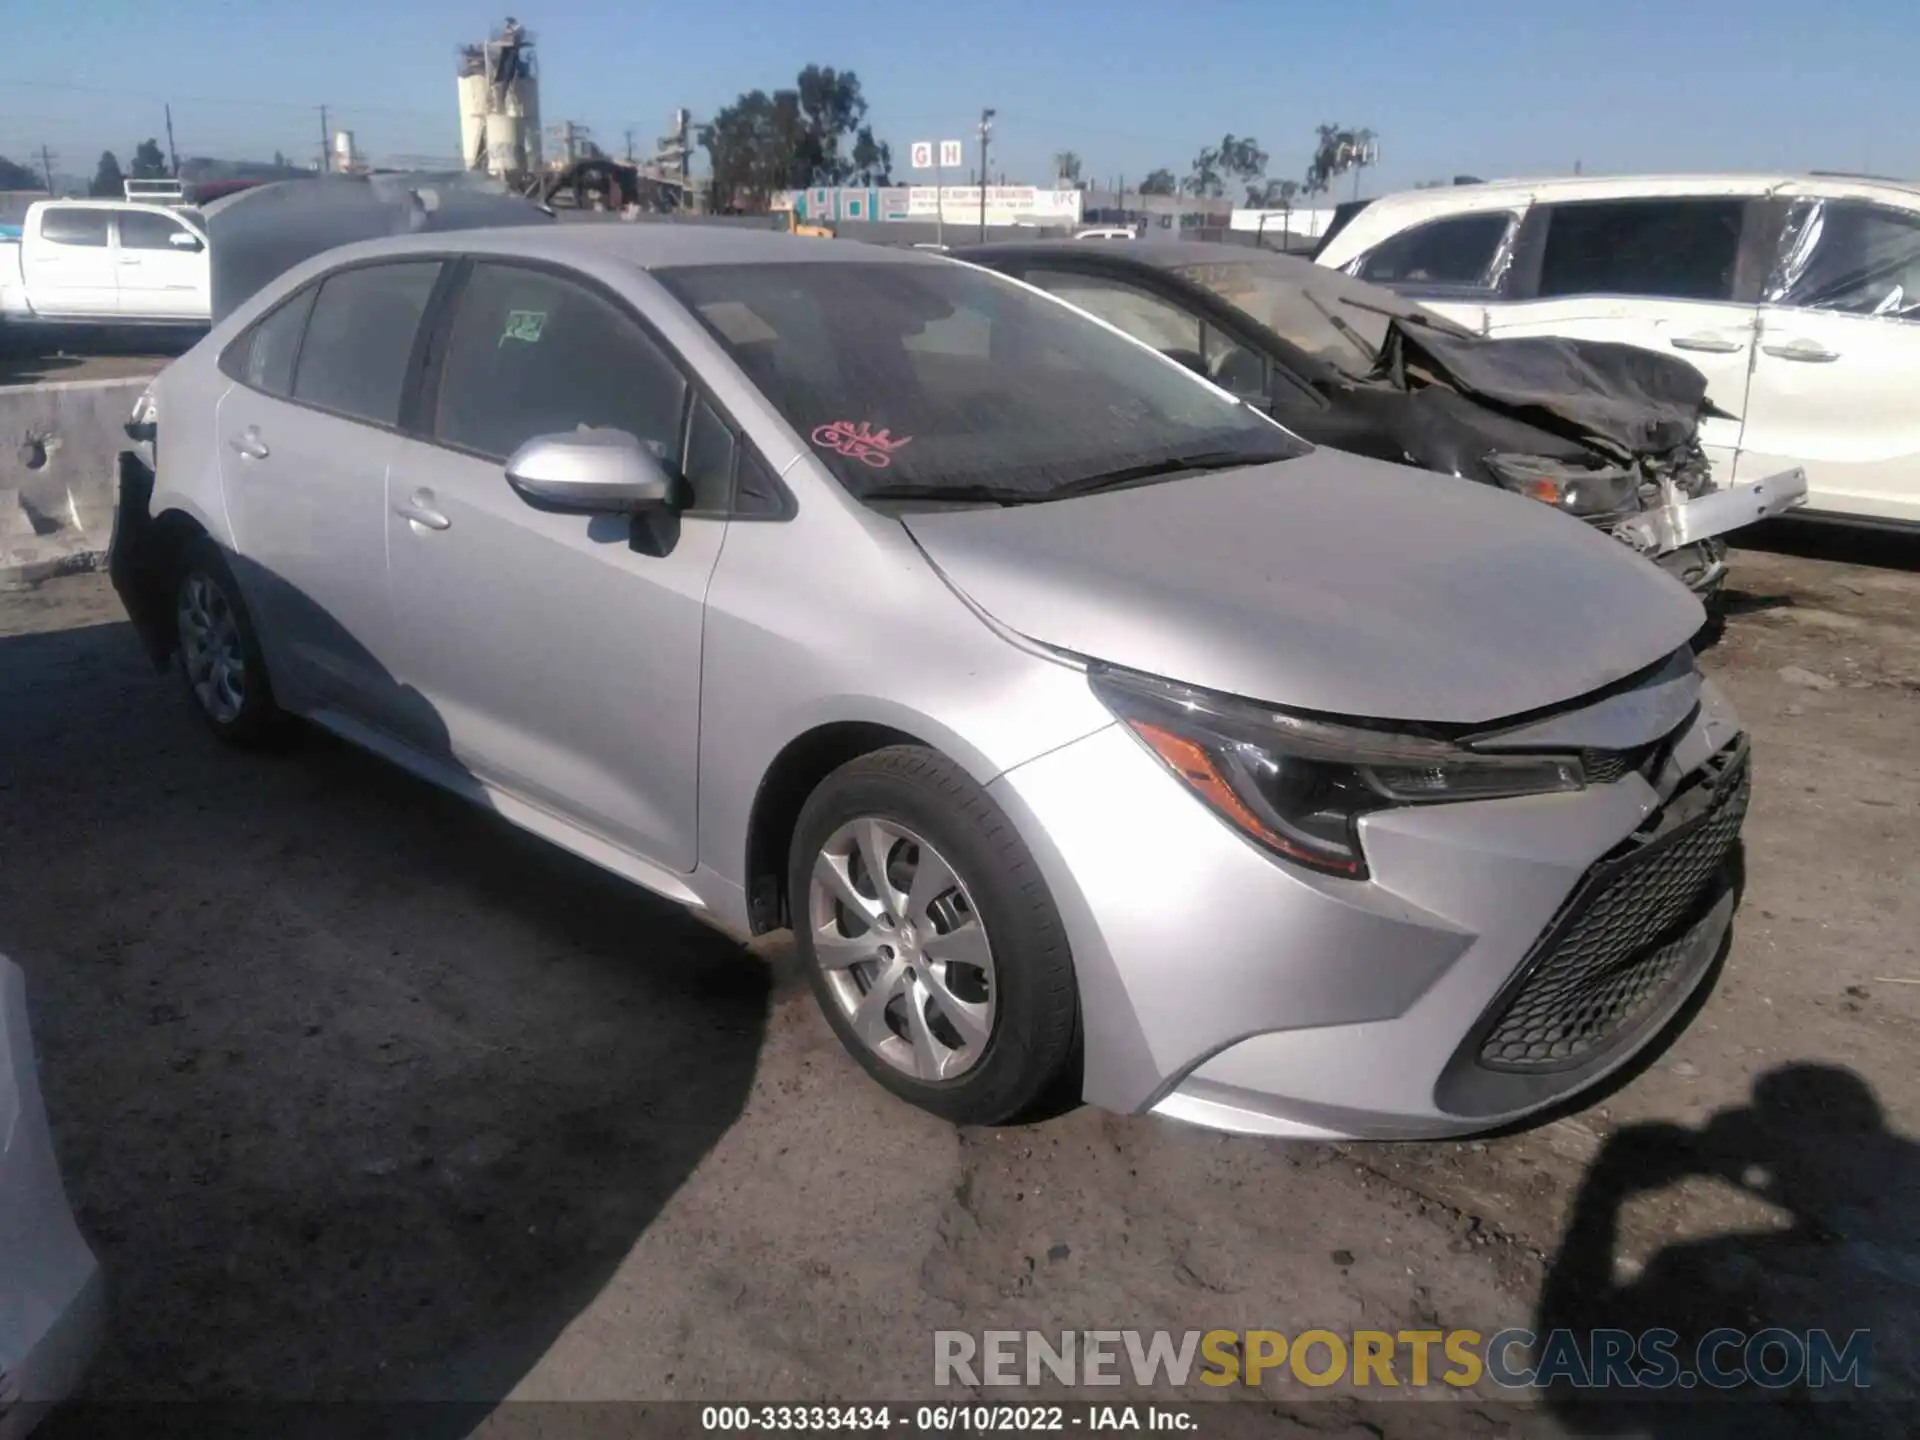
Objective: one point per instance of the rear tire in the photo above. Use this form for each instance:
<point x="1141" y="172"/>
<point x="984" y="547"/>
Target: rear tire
<point x="952" y="983"/>
<point x="220" y="658"/>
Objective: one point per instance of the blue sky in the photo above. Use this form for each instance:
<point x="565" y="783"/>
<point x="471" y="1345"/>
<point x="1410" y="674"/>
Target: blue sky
<point x="1489" y="87"/>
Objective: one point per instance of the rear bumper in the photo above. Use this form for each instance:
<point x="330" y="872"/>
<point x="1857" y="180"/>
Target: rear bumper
<point x="51" y="1295"/>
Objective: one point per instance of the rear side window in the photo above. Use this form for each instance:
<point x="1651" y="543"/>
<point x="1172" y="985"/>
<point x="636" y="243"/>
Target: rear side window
<point x="534" y="353"/>
<point x="1850" y="256"/>
<point x="143" y="230"/>
<point x="74" y="227"/>
<point x="359" y="339"/>
<point x="1459" y="250"/>
<point x="1677" y="249"/>
<point x="263" y="357"/>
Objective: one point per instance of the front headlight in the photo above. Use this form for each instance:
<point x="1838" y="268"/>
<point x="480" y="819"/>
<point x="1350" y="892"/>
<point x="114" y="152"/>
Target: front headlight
<point x="1572" y="488"/>
<point x="1299" y="786"/>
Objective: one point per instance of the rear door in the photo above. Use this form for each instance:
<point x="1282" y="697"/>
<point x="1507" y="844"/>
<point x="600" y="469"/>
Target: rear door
<point x="1679" y="274"/>
<point x="162" y="265"/>
<point x="305" y="440"/>
<point x="66" y="259"/>
<point x="1839" y="347"/>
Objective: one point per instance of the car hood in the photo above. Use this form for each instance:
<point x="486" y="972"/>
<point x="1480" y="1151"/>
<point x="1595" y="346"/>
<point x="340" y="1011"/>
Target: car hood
<point x="1329" y="583"/>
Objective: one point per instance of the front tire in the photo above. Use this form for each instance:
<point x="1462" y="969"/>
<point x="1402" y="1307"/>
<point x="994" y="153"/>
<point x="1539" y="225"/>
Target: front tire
<point x="220" y="658"/>
<point x="930" y="939"/>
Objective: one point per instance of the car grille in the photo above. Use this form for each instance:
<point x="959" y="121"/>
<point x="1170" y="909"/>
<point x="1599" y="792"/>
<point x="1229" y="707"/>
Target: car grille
<point x="1625" y="934"/>
<point x="1603" y="767"/>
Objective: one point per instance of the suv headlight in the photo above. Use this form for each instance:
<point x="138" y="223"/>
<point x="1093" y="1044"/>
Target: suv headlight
<point x="1298" y="786"/>
<point x="1576" y="490"/>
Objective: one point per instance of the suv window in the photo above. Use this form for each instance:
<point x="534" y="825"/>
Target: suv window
<point x="359" y="340"/>
<point x="534" y="353"/>
<point x="143" y="230"/>
<point x="74" y="227"/>
<point x="1850" y="256"/>
<point x="1677" y="249"/>
<point x="1457" y="250"/>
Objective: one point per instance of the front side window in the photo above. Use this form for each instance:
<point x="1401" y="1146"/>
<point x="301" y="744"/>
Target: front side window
<point x="359" y="339"/>
<point x="75" y="227"/>
<point x="1850" y="256"/>
<point x="535" y="353"/>
<point x="1021" y="399"/>
<point x="1459" y="250"/>
<point x="142" y="230"/>
<point x="1675" y="249"/>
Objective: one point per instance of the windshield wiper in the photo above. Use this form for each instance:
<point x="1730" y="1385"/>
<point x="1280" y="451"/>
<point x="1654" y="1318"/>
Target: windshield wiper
<point x="1155" y="469"/>
<point x="1432" y="322"/>
<point x="1342" y="326"/>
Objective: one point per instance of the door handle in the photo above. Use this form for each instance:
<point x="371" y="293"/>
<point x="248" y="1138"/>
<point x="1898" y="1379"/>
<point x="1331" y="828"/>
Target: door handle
<point x="1808" y="350"/>
<point x="129" y="259"/>
<point x="418" y="508"/>
<point x="249" y="445"/>
<point x="1710" y="344"/>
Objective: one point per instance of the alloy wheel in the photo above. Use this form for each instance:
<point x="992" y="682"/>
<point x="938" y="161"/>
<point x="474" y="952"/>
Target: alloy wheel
<point x="904" y="952"/>
<point x="211" y="649"/>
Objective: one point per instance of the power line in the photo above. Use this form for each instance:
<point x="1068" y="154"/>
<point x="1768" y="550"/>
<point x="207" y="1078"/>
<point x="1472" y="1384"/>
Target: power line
<point x="159" y="98"/>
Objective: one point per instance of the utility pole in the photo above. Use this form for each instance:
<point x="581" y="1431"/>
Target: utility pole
<point x="986" y="129"/>
<point x="46" y="167"/>
<point x="325" y="140"/>
<point x="173" y="155"/>
<point x="629" y="144"/>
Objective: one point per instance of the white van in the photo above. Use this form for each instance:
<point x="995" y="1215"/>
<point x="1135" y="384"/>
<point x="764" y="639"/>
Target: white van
<point x="1797" y="296"/>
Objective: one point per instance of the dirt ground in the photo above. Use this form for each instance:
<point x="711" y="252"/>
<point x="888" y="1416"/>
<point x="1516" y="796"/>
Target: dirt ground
<point x="362" y="1094"/>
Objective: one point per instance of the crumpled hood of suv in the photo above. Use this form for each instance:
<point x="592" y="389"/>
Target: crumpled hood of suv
<point x="1329" y="583"/>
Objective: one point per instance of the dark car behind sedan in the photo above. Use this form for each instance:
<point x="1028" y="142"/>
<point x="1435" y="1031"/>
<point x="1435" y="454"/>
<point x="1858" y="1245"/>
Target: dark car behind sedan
<point x="1608" y="433"/>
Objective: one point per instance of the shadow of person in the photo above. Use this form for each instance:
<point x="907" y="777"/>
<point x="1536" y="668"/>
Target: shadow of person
<point x="1839" y="1254"/>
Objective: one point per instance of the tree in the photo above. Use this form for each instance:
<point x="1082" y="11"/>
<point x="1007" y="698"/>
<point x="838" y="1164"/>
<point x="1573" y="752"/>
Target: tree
<point x="1066" y="165"/>
<point x="1336" y="152"/>
<point x="108" y="182"/>
<point x="813" y="134"/>
<point x="280" y="159"/>
<point x="149" y="161"/>
<point x="1236" y="157"/>
<point x="1159" y="182"/>
<point x="20" y="177"/>
<point x="1272" y="194"/>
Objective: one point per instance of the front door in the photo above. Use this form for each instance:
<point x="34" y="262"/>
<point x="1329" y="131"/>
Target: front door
<point x="557" y="656"/>
<point x="1839" y="346"/>
<point x="162" y="266"/>
<point x="1665" y="273"/>
<point x="304" y="453"/>
<point x="68" y="263"/>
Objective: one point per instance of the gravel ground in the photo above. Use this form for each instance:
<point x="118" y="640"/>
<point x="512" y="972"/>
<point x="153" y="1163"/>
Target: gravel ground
<point x="362" y="1094"/>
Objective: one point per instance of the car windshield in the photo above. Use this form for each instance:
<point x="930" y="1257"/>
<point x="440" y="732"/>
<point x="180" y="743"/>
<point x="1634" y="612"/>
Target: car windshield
<point x="1333" y="317"/>
<point x="940" y="380"/>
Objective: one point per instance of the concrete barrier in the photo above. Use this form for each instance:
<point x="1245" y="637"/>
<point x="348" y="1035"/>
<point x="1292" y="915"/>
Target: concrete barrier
<point x="58" y="447"/>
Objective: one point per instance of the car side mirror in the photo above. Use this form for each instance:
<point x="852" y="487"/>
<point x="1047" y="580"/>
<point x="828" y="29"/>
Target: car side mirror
<point x="181" y="240"/>
<point x="589" y="472"/>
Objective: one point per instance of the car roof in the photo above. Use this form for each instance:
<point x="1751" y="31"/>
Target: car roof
<point x="646" y="246"/>
<point x="1611" y="187"/>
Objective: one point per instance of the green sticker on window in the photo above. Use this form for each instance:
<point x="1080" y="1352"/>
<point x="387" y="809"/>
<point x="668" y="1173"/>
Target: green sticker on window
<point x="524" y="325"/>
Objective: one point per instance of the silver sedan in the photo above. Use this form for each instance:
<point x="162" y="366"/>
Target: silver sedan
<point x="1086" y="726"/>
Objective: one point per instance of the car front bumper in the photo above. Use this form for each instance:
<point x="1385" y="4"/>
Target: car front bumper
<point x="1222" y="987"/>
<point x="1703" y="517"/>
<point x="51" y="1303"/>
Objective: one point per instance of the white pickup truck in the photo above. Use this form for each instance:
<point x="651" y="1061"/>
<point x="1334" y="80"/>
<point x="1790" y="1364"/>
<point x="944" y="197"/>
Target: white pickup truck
<point x="106" y="262"/>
